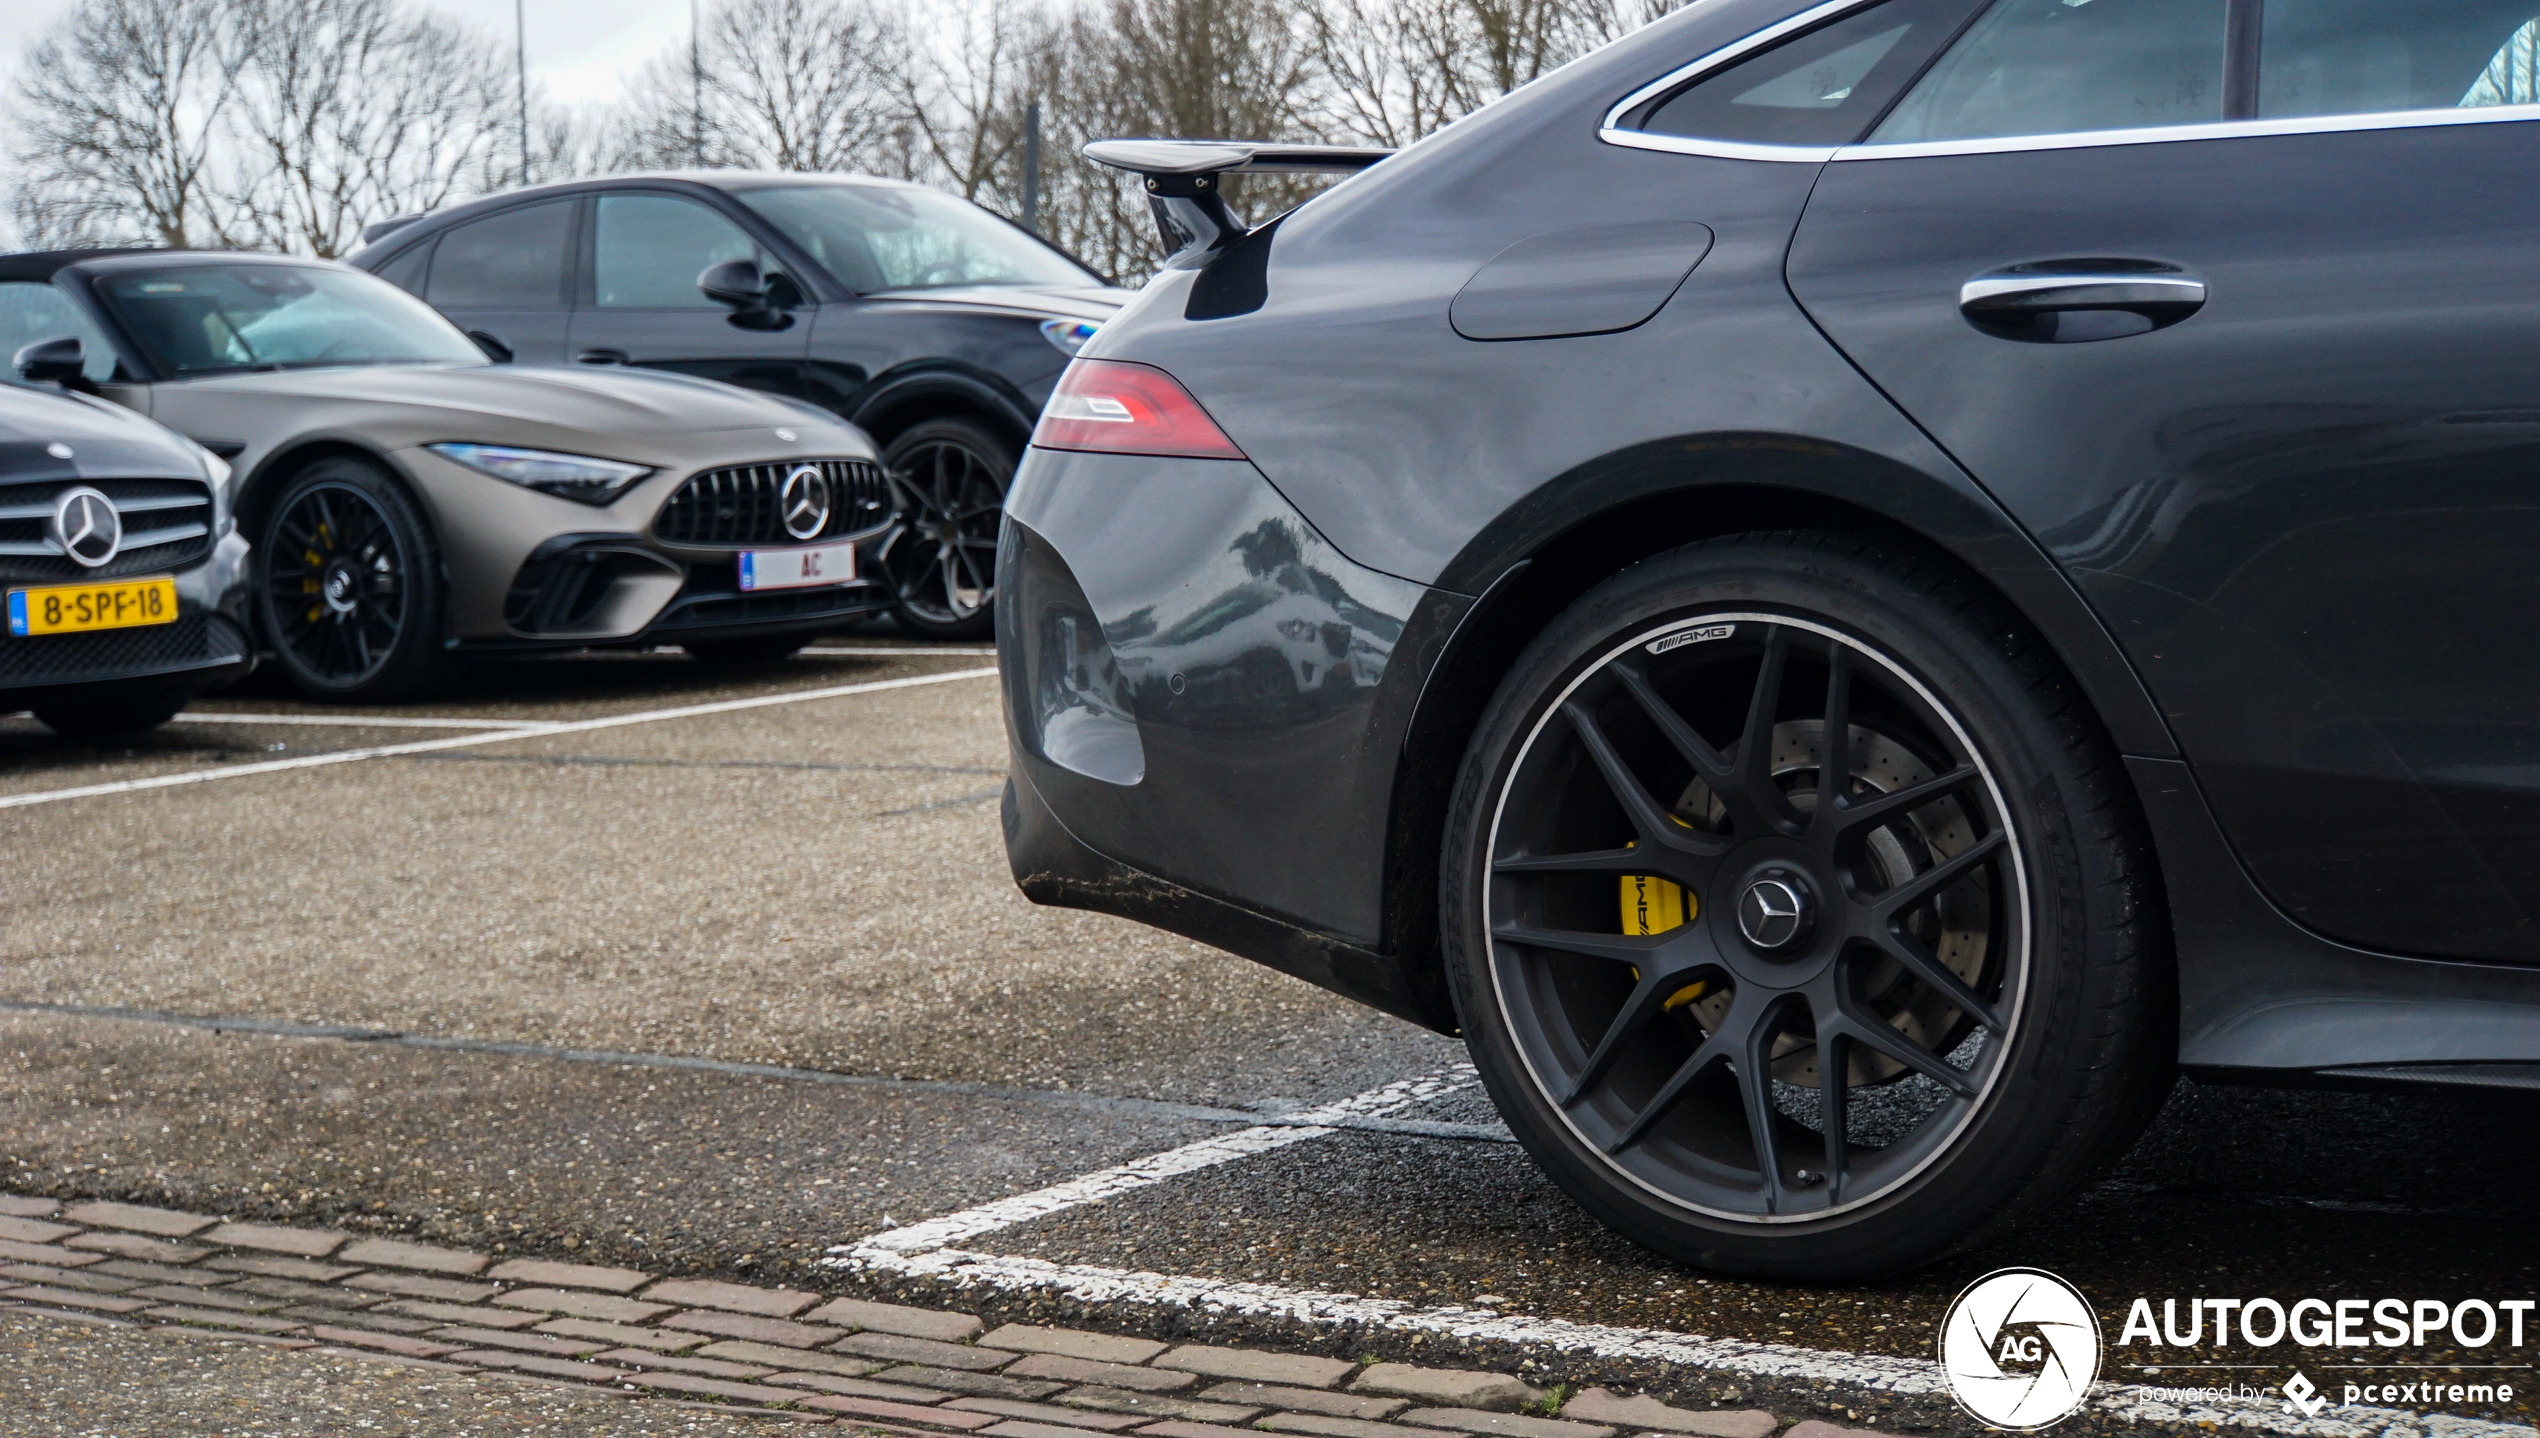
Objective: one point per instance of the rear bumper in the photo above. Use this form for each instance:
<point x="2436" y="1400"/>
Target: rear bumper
<point x="1205" y="703"/>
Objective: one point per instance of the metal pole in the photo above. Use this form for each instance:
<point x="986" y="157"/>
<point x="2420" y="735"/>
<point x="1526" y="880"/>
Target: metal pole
<point x="520" y="77"/>
<point x="1032" y="167"/>
<point x="696" y="91"/>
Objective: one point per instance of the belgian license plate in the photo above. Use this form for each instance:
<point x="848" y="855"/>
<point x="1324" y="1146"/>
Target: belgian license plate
<point x="71" y="608"/>
<point x="797" y="568"/>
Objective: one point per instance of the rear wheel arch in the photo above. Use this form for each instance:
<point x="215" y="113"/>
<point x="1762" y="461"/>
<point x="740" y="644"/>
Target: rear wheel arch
<point x="1523" y="585"/>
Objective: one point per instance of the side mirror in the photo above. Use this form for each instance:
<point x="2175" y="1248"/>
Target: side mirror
<point x="495" y="350"/>
<point x="60" y="360"/>
<point x="737" y="283"/>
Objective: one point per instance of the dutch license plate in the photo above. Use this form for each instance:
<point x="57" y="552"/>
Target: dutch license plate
<point x="797" y="568"/>
<point x="70" y="608"/>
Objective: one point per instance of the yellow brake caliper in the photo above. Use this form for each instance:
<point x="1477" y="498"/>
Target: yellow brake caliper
<point x="1652" y="905"/>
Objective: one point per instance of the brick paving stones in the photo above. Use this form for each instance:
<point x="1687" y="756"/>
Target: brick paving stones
<point x="900" y="1349"/>
<point x="856" y="1387"/>
<point x="957" y="1380"/>
<point x="301" y="1242"/>
<point x="1516" y="1425"/>
<point x="413" y="1286"/>
<point x="625" y="1335"/>
<point x="1595" y="1405"/>
<point x="1296" y="1369"/>
<point x="582" y="1305"/>
<point x="29" y="1230"/>
<point x="133" y="1245"/>
<point x="756" y="1330"/>
<point x="783" y="1356"/>
<point x="1075" y="1418"/>
<point x="1330" y="1426"/>
<point x="1449" y="1386"/>
<point x="894" y="1318"/>
<point x="1306" y="1400"/>
<point x="40" y="1253"/>
<point x="1074" y="1343"/>
<point x="164" y="1222"/>
<point x="738" y="1298"/>
<point x="1105" y="1375"/>
<point x="397" y="1253"/>
<point x="1157" y="1405"/>
<point x="569" y="1275"/>
<point x="878" y="1368"/>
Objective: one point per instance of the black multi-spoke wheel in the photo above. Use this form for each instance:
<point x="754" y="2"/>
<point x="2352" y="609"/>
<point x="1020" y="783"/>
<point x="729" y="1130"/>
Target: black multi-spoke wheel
<point x="950" y="477"/>
<point x="350" y="590"/>
<point x="1751" y="938"/>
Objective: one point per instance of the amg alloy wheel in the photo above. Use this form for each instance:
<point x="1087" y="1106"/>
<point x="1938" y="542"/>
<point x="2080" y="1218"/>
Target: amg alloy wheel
<point x="349" y="586"/>
<point x="951" y="476"/>
<point x="1750" y="937"/>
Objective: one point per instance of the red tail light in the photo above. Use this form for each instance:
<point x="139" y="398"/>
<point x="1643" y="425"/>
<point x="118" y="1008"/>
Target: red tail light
<point x="1114" y="407"/>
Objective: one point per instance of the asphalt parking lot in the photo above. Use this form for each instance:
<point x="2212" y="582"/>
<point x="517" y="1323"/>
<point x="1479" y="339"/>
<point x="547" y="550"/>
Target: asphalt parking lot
<point x="625" y="960"/>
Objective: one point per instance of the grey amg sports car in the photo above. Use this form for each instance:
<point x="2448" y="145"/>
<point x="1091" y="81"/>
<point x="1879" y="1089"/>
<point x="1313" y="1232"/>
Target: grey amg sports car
<point x="409" y="498"/>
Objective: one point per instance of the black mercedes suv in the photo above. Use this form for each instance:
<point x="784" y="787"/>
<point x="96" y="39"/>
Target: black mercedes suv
<point x="933" y="324"/>
<point x="124" y="578"/>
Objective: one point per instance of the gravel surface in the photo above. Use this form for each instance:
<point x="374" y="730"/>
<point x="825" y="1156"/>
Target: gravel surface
<point x="61" y="1379"/>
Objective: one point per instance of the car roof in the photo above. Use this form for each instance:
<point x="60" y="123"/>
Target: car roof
<point x="392" y="232"/>
<point x="45" y="264"/>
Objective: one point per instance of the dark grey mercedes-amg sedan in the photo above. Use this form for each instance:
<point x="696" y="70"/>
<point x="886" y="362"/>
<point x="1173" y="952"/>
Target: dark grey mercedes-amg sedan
<point x="1842" y="590"/>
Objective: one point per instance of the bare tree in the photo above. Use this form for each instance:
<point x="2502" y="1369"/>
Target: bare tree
<point x="117" y="120"/>
<point x="967" y="92"/>
<point x="779" y="85"/>
<point x="351" y="110"/>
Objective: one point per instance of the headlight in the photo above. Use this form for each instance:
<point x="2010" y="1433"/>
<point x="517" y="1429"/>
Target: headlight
<point x="572" y="476"/>
<point x="1068" y="335"/>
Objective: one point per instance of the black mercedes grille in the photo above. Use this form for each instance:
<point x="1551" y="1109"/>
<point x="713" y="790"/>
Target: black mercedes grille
<point x="745" y="505"/>
<point x="190" y="643"/>
<point x="167" y="524"/>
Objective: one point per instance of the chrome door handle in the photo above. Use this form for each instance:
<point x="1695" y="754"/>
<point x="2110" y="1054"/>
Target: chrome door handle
<point x="2022" y="293"/>
<point x="602" y="357"/>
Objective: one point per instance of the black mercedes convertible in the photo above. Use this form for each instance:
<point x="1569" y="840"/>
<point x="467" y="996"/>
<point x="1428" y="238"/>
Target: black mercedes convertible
<point x="1843" y="591"/>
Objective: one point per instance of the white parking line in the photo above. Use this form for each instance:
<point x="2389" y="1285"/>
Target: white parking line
<point x="872" y="650"/>
<point x="924" y="1251"/>
<point x="528" y="731"/>
<point x="353" y="721"/>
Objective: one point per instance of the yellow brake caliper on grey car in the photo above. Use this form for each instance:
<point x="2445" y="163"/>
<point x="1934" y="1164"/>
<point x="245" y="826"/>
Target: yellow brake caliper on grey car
<point x="1652" y="905"/>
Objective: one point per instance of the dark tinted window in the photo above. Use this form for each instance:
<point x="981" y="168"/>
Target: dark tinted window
<point x="510" y="261"/>
<point x="406" y="270"/>
<point x="200" y="318"/>
<point x="2345" y="57"/>
<point x="2049" y="67"/>
<point x="1823" y="88"/>
<point x="32" y="311"/>
<point x="648" y="250"/>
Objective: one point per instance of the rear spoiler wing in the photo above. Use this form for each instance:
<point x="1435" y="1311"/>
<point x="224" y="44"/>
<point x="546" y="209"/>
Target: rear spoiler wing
<point x="1183" y="190"/>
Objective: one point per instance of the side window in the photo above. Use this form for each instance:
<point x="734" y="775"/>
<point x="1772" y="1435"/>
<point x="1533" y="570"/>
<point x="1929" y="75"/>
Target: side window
<point x="31" y="310"/>
<point x="406" y="271"/>
<point x="1822" y="88"/>
<point x="510" y="261"/>
<point x="2348" y="57"/>
<point x="647" y="251"/>
<point x="2048" y="67"/>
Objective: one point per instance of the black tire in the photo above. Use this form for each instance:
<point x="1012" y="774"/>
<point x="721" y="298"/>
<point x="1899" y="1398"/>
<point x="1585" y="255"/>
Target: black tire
<point x="761" y="649"/>
<point x="111" y="711"/>
<point x="1967" y="1099"/>
<point x="952" y="476"/>
<point x="349" y="588"/>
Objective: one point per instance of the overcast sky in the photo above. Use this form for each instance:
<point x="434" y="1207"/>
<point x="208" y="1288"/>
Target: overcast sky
<point x="584" y="50"/>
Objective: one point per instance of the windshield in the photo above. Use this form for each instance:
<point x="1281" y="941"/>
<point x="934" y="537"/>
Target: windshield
<point x="199" y="319"/>
<point x="877" y="238"/>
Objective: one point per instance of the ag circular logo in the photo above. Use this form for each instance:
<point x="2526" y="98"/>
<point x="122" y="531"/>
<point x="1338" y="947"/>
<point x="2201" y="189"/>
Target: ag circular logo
<point x="2020" y="1349"/>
